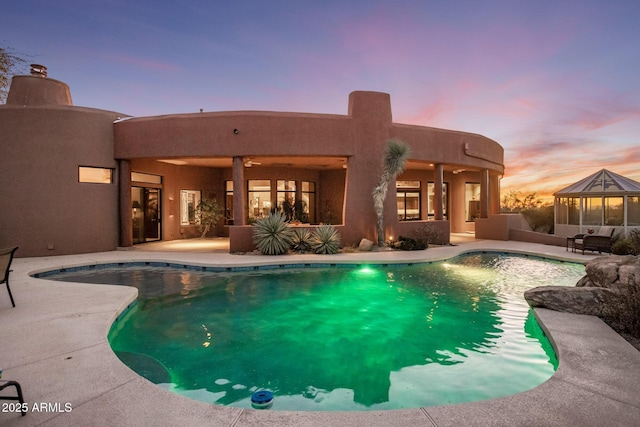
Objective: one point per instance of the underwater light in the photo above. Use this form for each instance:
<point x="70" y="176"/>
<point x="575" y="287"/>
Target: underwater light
<point x="365" y="269"/>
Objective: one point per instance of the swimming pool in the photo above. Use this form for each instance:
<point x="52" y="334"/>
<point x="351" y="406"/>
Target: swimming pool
<point x="352" y="338"/>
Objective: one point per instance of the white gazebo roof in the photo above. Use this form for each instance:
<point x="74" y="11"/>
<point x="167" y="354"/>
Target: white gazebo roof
<point x="601" y="182"/>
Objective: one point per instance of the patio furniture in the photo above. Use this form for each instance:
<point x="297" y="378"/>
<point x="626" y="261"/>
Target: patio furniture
<point x="18" y="396"/>
<point x="6" y="256"/>
<point x="600" y="241"/>
<point x="571" y="241"/>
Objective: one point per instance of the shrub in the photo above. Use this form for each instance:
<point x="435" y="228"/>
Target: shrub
<point x="627" y="245"/>
<point x="540" y="219"/>
<point x="409" y="244"/>
<point x="272" y="234"/>
<point x="207" y="213"/>
<point x="622" y="246"/>
<point x="325" y="240"/>
<point x="302" y="240"/>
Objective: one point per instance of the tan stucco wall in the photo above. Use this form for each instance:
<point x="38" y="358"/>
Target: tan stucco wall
<point x="360" y="136"/>
<point x="45" y="210"/>
<point x="38" y="91"/>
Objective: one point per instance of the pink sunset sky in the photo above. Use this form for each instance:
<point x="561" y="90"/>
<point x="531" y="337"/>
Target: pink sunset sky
<point x="554" y="82"/>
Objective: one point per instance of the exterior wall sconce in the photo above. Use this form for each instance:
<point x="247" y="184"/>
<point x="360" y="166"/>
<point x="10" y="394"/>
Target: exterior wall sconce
<point x="236" y="131"/>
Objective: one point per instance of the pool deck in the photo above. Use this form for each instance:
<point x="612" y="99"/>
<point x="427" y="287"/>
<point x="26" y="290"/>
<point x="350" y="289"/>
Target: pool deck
<point x="55" y="344"/>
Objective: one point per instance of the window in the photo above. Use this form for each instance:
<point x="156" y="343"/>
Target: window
<point x="308" y="202"/>
<point x="633" y="210"/>
<point x="562" y="210"/>
<point x="189" y="200"/>
<point x="573" y="204"/>
<point x="592" y="212"/>
<point x="431" y="196"/>
<point x="408" y="200"/>
<point x="286" y="197"/>
<point x="95" y="175"/>
<point x="259" y="198"/>
<point x="472" y="200"/>
<point x="228" y="202"/>
<point x="146" y="177"/>
<point x="568" y="210"/>
<point x="613" y="211"/>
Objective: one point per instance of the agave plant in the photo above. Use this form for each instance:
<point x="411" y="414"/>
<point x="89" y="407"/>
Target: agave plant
<point x="325" y="240"/>
<point x="301" y="241"/>
<point x="272" y="234"/>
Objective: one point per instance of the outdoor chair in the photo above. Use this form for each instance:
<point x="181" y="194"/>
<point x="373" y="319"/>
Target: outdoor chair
<point x="600" y="241"/>
<point x="6" y="256"/>
<point x="18" y="396"/>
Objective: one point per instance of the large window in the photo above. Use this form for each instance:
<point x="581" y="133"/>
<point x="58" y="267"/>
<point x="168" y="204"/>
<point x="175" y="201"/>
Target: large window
<point x="472" y="200"/>
<point x="592" y="211"/>
<point x="633" y="210"/>
<point x="259" y="198"/>
<point x="189" y="200"/>
<point x="286" y="197"/>
<point x="308" y="202"/>
<point x="228" y="202"/>
<point x="431" y="196"/>
<point x="568" y="210"/>
<point x="408" y="200"/>
<point x="613" y="211"/>
<point x="573" y="204"/>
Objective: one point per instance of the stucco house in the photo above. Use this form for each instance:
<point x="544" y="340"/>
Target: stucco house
<point x="78" y="179"/>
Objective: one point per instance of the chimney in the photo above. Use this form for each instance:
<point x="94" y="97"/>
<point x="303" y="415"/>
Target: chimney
<point x="38" y="70"/>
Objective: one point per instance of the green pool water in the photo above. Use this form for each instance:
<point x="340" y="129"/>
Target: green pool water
<point x="336" y="338"/>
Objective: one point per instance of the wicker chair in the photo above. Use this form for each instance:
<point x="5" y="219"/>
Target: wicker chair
<point x="600" y="241"/>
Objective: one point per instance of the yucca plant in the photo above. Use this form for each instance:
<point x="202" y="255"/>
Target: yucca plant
<point x="393" y="163"/>
<point x="272" y="234"/>
<point x="325" y="240"/>
<point x="301" y="240"/>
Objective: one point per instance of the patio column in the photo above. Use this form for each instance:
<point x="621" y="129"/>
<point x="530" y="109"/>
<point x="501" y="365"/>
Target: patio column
<point x="624" y="209"/>
<point x="494" y="195"/>
<point x="126" y="218"/>
<point x="239" y="197"/>
<point x="438" y="183"/>
<point x="484" y="193"/>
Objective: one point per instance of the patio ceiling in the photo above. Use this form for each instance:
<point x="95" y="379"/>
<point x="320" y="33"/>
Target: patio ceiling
<point x="260" y="161"/>
<point x="320" y="163"/>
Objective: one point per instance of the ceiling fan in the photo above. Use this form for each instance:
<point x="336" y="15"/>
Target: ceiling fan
<point x="248" y="163"/>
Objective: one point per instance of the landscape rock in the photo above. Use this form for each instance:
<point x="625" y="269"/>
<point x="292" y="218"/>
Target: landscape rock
<point x="584" y="300"/>
<point x="598" y="293"/>
<point x="365" y="245"/>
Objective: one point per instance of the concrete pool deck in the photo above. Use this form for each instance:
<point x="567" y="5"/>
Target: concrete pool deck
<point x="54" y="342"/>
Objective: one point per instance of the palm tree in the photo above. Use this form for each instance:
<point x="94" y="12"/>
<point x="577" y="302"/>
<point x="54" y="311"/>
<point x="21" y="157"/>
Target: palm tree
<point x="395" y="158"/>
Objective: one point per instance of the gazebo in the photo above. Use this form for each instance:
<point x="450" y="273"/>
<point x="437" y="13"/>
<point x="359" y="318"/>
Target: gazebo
<point x="604" y="198"/>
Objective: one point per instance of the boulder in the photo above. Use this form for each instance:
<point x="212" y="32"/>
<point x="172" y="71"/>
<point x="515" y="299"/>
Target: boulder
<point x="365" y="245"/>
<point x="585" y="300"/>
<point x="607" y="282"/>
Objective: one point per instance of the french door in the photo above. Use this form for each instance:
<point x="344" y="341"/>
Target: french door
<point x="146" y="212"/>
